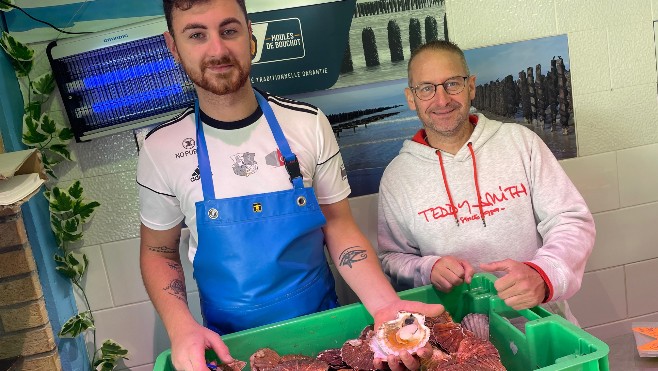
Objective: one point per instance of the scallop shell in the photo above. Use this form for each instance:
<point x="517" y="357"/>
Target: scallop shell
<point x="478" y="324"/>
<point x="405" y="333"/>
<point x="358" y="354"/>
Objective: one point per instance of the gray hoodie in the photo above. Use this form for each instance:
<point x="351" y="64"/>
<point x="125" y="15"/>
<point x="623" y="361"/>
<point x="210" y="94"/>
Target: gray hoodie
<point x="502" y="195"/>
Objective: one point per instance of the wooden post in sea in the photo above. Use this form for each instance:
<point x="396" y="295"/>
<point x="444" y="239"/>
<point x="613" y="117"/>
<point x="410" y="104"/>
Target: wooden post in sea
<point x="347" y="66"/>
<point x="562" y="96"/>
<point x="509" y="96"/>
<point x="525" y="96"/>
<point x="370" y="47"/>
<point x="395" y="41"/>
<point x="415" y="34"/>
<point x="533" y="96"/>
<point x="552" y="93"/>
<point x="541" y="99"/>
<point x="431" y="29"/>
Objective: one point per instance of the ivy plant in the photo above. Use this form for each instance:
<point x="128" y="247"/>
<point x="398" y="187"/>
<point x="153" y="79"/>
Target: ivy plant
<point x="69" y="211"/>
<point x="39" y="130"/>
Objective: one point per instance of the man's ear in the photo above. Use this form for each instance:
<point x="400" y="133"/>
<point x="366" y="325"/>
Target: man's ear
<point x="471" y="86"/>
<point x="171" y="45"/>
<point x="410" y="98"/>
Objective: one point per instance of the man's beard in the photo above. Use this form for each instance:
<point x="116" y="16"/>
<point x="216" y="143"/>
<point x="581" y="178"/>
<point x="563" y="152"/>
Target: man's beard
<point x="220" y="83"/>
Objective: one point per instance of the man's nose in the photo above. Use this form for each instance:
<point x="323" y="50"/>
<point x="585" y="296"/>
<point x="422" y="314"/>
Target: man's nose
<point x="217" y="46"/>
<point x="441" y="96"/>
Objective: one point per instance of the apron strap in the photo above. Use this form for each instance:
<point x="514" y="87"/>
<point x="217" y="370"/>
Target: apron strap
<point x="291" y="163"/>
<point x="202" y="155"/>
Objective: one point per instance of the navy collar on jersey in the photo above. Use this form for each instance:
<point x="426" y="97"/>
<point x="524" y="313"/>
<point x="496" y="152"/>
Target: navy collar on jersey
<point x="231" y="125"/>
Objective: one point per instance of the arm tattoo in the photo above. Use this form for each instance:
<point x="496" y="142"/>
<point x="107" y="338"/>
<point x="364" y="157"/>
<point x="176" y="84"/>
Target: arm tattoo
<point x="352" y="255"/>
<point x="163" y="249"/>
<point x="176" y="287"/>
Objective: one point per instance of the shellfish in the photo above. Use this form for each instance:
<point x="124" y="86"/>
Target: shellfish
<point x="478" y="324"/>
<point x="405" y="333"/>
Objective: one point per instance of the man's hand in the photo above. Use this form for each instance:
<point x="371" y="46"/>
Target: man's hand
<point x="188" y="348"/>
<point x="390" y="312"/>
<point x="449" y="272"/>
<point x="521" y="287"/>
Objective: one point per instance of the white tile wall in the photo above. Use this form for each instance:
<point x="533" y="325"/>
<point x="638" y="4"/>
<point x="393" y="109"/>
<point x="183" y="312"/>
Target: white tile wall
<point x="118" y="216"/>
<point x="588" y="54"/>
<point x="569" y="14"/>
<point x="641" y="279"/>
<point x="617" y="119"/>
<point x="94" y="282"/>
<point x="601" y="299"/>
<point x="638" y="175"/>
<point x="624" y="236"/>
<point x="596" y="179"/>
<point x="632" y="54"/>
<point x="122" y="264"/>
<point x="478" y="23"/>
<point x="613" y="329"/>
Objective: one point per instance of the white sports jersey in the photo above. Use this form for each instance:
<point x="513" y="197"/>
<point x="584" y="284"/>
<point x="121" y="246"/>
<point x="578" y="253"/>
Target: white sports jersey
<point x="244" y="159"/>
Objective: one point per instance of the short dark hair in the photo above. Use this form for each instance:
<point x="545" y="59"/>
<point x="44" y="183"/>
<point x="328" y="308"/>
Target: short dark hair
<point x="439" y="45"/>
<point x="168" y="6"/>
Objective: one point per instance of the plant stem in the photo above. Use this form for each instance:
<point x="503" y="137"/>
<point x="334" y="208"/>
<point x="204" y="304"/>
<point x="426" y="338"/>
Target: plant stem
<point x="91" y="316"/>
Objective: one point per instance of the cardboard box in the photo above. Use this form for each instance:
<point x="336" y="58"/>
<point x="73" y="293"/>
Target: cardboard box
<point x="21" y="176"/>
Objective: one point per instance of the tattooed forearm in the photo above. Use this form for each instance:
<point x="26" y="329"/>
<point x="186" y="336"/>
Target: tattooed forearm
<point x="176" y="288"/>
<point x="352" y="255"/>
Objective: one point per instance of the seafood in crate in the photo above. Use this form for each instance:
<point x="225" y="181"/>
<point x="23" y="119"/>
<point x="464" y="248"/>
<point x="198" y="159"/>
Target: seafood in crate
<point x="456" y="347"/>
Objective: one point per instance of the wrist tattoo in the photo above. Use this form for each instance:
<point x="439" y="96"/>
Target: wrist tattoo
<point x="176" y="288"/>
<point x="163" y="249"/>
<point x="352" y="255"/>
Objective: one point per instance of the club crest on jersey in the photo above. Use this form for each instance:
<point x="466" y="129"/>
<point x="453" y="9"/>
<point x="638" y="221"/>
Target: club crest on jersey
<point x="189" y="144"/>
<point x="244" y="164"/>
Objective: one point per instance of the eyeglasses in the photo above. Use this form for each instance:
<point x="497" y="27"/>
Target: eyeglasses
<point x="452" y="86"/>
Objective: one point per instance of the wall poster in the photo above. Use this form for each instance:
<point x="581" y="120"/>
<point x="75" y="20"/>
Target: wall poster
<point x="526" y="82"/>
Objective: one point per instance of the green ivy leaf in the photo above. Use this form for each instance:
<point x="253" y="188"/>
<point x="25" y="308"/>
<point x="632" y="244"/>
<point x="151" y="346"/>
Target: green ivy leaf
<point x="33" y="109"/>
<point x="15" y="48"/>
<point x="47" y="124"/>
<point x="85" y="210"/>
<point x="60" y="201"/>
<point x="111" y="353"/>
<point x="4" y="7"/>
<point x="44" y="84"/>
<point x="22" y="68"/>
<point x="73" y="265"/>
<point x="75" y="190"/>
<point x="62" y="150"/>
<point x="31" y="134"/>
<point x="72" y="225"/>
<point x="76" y="325"/>
<point x="65" y="135"/>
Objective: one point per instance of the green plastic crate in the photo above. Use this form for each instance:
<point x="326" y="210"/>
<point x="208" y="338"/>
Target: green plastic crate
<point x="550" y="342"/>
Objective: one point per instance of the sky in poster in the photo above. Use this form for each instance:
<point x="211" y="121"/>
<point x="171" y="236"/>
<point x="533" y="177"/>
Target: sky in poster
<point x="496" y="62"/>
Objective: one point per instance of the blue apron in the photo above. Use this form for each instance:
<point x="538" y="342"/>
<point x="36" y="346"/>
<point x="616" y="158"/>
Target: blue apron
<point x="260" y="258"/>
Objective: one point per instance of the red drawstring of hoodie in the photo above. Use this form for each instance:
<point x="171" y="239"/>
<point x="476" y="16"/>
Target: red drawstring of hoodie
<point x="475" y="178"/>
<point x="445" y="183"/>
<point x="477" y="184"/>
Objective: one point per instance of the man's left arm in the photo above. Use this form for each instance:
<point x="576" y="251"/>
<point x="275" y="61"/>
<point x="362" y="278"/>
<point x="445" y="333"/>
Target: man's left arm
<point x="359" y="266"/>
